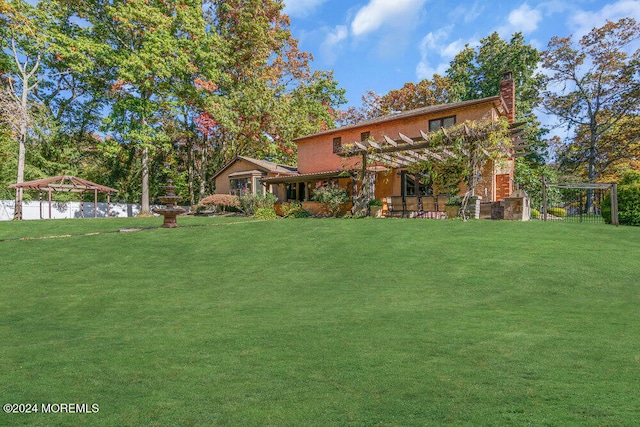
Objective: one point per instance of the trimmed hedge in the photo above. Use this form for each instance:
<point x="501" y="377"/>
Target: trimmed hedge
<point x="559" y="212"/>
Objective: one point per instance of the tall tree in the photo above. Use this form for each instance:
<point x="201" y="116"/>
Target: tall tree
<point x="476" y="73"/>
<point x="266" y="82"/>
<point x="26" y="45"/>
<point x="145" y="43"/>
<point x="593" y="89"/>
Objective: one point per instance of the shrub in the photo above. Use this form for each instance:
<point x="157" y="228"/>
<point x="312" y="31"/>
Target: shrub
<point x="221" y="202"/>
<point x="630" y="177"/>
<point x="332" y="197"/>
<point x="628" y="205"/>
<point x="250" y="203"/>
<point x="559" y="212"/>
<point x="453" y="201"/>
<point x="535" y="214"/>
<point x="375" y="202"/>
<point x="265" y="213"/>
<point x="295" y="210"/>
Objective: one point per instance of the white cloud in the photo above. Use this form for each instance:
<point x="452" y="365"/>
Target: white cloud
<point x="435" y="49"/>
<point x="468" y="14"/>
<point x="379" y="13"/>
<point x="331" y="44"/>
<point x="426" y="71"/>
<point x="581" y="22"/>
<point x="301" y="8"/>
<point x="525" y="19"/>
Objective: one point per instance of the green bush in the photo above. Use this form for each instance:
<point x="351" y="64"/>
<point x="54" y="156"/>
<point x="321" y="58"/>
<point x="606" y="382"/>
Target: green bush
<point x="453" y="201"/>
<point x="265" y="213"/>
<point x="535" y="214"/>
<point x="332" y="197"/>
<point x="295" y="210"/>
<point x="250" y="203"/>
<point x="628" y="205"/>
<point x="375" y="202"/>
<point x="559" y="212"/>
<point x="630" y="177"/>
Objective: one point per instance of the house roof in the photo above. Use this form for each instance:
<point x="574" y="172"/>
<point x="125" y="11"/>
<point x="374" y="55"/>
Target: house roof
<point x="408" y="114"/>
<point x="303" y="177"/>
<point x="64" y="183"/>
<point x="264" y="165"/>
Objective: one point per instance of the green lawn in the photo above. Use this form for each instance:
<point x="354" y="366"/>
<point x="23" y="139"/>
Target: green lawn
<point x="321" y="322"/>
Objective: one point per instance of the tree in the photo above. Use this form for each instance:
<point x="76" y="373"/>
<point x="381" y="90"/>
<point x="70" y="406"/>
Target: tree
<point x="144" y="45"/>
<point x="409" y="97"/>
<point x="28" y="46"/>
<point x="267" y="94"/>
<point x="476" y="73"/>
<point x="593" y="89"/>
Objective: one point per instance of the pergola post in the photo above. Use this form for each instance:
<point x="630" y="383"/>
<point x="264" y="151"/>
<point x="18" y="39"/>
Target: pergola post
<point x="109" y="205"/>
<point x="95" y="203"/>
<point x="40" y="200"/>
<point x="49" y="202"/>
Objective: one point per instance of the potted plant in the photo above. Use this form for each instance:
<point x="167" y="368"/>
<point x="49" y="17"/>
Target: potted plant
<point x="375" y="208"/>
<point x="452" y="206"/>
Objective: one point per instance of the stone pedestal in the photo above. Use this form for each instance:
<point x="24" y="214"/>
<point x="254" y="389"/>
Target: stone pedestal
<point x="517" y="207"/>
<point x="473" y="207"/>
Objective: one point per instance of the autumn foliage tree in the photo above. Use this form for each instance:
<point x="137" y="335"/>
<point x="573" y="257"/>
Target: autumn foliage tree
<point x="266" y="94"/>
<point x="594" y="89"/>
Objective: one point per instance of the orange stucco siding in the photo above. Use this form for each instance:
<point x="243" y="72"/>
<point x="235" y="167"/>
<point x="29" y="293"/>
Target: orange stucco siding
<point x="222" y="180"/>
<point x="315" y="153"/>
<point x="241" y="165"/>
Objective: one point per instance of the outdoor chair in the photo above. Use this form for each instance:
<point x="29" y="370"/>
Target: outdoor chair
<point x="394" y="206"/>
<point x="411" y="209"/>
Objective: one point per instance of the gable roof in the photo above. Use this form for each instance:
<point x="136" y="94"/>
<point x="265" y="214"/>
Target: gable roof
<point x="263" y="165"/>
<point x="64" y="183"/>
<point x="431" y="109"/>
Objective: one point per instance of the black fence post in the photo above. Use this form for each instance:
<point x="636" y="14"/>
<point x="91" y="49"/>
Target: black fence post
<point x="544" y="198"/>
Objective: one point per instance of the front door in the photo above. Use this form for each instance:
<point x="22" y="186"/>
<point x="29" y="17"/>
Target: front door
<point x="503" y="186"/>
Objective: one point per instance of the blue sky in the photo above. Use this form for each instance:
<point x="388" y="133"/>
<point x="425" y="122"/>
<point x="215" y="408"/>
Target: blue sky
<point x="380" y="45"/>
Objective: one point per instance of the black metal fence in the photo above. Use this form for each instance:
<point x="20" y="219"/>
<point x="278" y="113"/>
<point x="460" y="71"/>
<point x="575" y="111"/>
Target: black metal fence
<point x="579" y="202"/>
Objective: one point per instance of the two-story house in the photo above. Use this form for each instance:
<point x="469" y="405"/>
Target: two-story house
<point x="320" y="157"/>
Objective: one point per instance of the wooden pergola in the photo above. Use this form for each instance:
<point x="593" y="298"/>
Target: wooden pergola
<point x="406" y="151"/>
<point x="403" y="152"/>
<point x="65" y="184"/>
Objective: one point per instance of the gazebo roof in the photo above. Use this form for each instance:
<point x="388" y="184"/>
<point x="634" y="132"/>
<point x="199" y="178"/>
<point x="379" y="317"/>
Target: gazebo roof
<point x="64" y="183"/>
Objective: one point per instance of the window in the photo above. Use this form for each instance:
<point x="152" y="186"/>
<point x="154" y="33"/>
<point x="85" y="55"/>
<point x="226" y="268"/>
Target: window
<point x="337" y="144"/>
<point x="364" y="136"/>
<point x="239" y="186"/>
<point x="409" y="186"/>
<point x="445" y="122"/>
<point x="296" y="191"/>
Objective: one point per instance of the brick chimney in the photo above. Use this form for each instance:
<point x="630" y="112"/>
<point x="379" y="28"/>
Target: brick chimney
<point x="508" y="95"/>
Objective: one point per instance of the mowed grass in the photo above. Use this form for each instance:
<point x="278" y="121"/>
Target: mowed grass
<point x="323" y="322"/>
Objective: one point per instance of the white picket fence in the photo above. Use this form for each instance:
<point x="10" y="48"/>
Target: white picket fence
<point x="32" y="210"/>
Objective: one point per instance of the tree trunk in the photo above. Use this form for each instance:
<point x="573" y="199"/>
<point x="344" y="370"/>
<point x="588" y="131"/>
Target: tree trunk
<point x="17" y="213"/>
<point x="593" y="155"/>
<point x="22" y="144"/>
<point x="144" y="208"/>
<point x="203" y="169"/>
